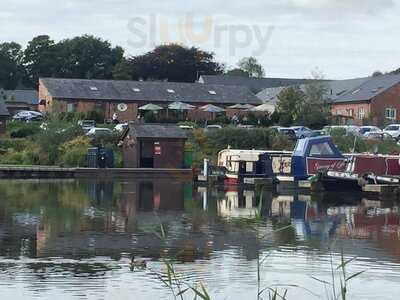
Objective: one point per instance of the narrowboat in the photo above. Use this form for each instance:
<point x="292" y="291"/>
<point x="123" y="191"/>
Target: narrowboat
<point x="311" y="156"/>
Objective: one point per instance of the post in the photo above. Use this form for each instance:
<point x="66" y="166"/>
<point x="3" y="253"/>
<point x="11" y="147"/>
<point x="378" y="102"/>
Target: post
<point x="205" y="168"/>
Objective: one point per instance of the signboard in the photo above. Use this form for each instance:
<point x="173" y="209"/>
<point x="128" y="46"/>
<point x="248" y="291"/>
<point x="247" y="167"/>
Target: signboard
<point x="157" y="148"/>
<point x="314" y="165"/>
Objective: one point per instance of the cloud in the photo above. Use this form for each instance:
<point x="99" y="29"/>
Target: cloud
<point x="345" y="38"/>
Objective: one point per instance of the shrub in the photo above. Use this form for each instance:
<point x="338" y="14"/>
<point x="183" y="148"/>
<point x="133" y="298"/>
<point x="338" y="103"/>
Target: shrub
<point x="23" y="130"/>
<point x="73" y="153"/>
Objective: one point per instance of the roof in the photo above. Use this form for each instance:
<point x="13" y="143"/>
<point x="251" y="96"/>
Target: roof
<point x="27" y="96"/>
<point x="335" y="89"/>
<point x="164" y="131"/>
<point x="369" y="89"/>
<point x="256" y="85"/>
<point x="152" y="91"/>
<point x="3" y="109"/>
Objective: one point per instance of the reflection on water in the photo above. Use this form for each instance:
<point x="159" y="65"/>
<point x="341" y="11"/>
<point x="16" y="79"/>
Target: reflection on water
<point x="72" y="238"/>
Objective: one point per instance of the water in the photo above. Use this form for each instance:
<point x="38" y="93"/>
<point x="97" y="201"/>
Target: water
<point x="74" y="240"/>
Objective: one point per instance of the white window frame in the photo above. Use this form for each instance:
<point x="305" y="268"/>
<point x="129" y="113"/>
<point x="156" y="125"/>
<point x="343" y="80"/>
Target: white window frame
<point x="70" y="107"/>
<point x="361" y="113"/>
<point x="390" y="113"/>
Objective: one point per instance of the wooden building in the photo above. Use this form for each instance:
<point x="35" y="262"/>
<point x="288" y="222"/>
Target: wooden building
<point x="154" y="146"/>
<point x="4" y="115"/>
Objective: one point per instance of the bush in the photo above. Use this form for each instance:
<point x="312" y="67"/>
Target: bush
<point x="23" y="130"/>
<point x="73" y="153"/>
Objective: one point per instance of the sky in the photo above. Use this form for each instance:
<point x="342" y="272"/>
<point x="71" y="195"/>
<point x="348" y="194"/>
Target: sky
<point x="290" y="38"/>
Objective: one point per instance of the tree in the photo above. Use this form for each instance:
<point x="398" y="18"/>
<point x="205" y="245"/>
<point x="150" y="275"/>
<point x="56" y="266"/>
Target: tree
<point x="237" y="72"/>
<point x="251" y="66"/>
<point x="87" y="57"/>
<point x="174" y="63"/>
<point x="288" y="106"/>
<point x="10" y="65"/>
<point x="377" y="73"/>
<point x="121" y="71"/>
<point x="40" y="60"/>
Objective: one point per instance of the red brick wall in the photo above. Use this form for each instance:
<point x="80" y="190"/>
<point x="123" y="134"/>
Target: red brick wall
<point x="387" y="99"/>
<point x="44" y="95"/>
<point x="351" y="109"/>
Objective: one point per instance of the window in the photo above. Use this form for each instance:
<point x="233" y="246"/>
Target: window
<point x="93" y="88"/>
<point x="361" y="113"/>
<point x="170" y="91"/>
<point x="322" y="149"/>
<point x="356" y="91"/>
<point x="212" y="92"/>
<point x="136" y="90"/>
<point x="350" y="112"/>
<point x="70" y="107"/>
<point x="390" y="113"/>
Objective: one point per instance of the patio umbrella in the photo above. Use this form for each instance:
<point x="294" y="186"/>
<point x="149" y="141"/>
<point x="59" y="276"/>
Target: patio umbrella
<point x="150" y="106"/>
<point x="266" y="107"/>
<point x="180" y="106"/>
<point x="212" y="108"/>
<point x="241" y="106"/>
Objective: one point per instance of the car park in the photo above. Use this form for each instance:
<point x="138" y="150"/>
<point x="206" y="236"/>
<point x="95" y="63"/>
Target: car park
<point x="393" y="130"/>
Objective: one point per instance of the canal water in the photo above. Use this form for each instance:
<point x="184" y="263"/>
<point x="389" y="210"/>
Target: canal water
<point x="74" y="240"/>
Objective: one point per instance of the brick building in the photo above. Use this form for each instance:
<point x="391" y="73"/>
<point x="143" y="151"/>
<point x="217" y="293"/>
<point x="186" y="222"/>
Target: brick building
<point x="153" y="146"/>
<point x="125" y="97"/>
<point x="376" y="99"/>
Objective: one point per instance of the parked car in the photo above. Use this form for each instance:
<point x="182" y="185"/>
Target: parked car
<point x="349" y="129"/>
<point x="186" y="127"/>
<point x="28" y="116"/>
<point x="286" y="131"/>
<point x="87" y="125"/>
<point x="95" y="132"/>
<point x="212" y="127"/>
<point x="246" y="126"/>
<point x="393" y="130"/>
<point x="121" y="127"/>
<point x="318" y="133"/>
<point x="378" y="135"/>
<point x="366" y="129"/>
<point x="302" y="132"/>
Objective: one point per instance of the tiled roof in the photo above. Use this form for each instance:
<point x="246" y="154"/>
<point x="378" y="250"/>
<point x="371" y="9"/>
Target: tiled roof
<point x="157" y="131"/>
<point x="27" y="96"/>
<point x="256" y="85"/>
<point x="151" y="91"/>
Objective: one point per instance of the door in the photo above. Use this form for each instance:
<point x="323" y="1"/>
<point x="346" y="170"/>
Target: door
<point x="146" y="154"/>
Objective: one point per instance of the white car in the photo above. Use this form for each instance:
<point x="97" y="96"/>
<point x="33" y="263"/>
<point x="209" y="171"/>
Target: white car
<point x="393" y="130"/>
<point x="27" y="115"/>
<point x="363" y="130"/>
<point x="121" y="127"/>
<point x="95" y="131"/>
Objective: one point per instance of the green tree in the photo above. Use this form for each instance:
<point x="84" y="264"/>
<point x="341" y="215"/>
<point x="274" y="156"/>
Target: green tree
<point x="121" y="71"/>
<point x="289" y="105"/>
<point x="40" y="60"/>
<point x="87" y="57"/>
<point x="10" y="65"/>
<point x="251" y="66"/>
<point x="377" y="73"/>
<point x="237" y="72"/>
<point x="174" y="63"/>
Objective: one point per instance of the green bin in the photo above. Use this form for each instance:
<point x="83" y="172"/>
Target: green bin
<point x="188" y="159"/>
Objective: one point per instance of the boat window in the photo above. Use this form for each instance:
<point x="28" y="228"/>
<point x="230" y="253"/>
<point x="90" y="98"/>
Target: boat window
<point x="322" y="149"/>
<point x="249" y="167"/>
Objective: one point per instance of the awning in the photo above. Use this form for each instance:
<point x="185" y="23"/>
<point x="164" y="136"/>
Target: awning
<point x="266" y="107"/>
<point x="241" y="106"/>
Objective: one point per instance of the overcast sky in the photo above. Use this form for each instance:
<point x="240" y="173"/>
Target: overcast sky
<point x="342" y="38"/>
